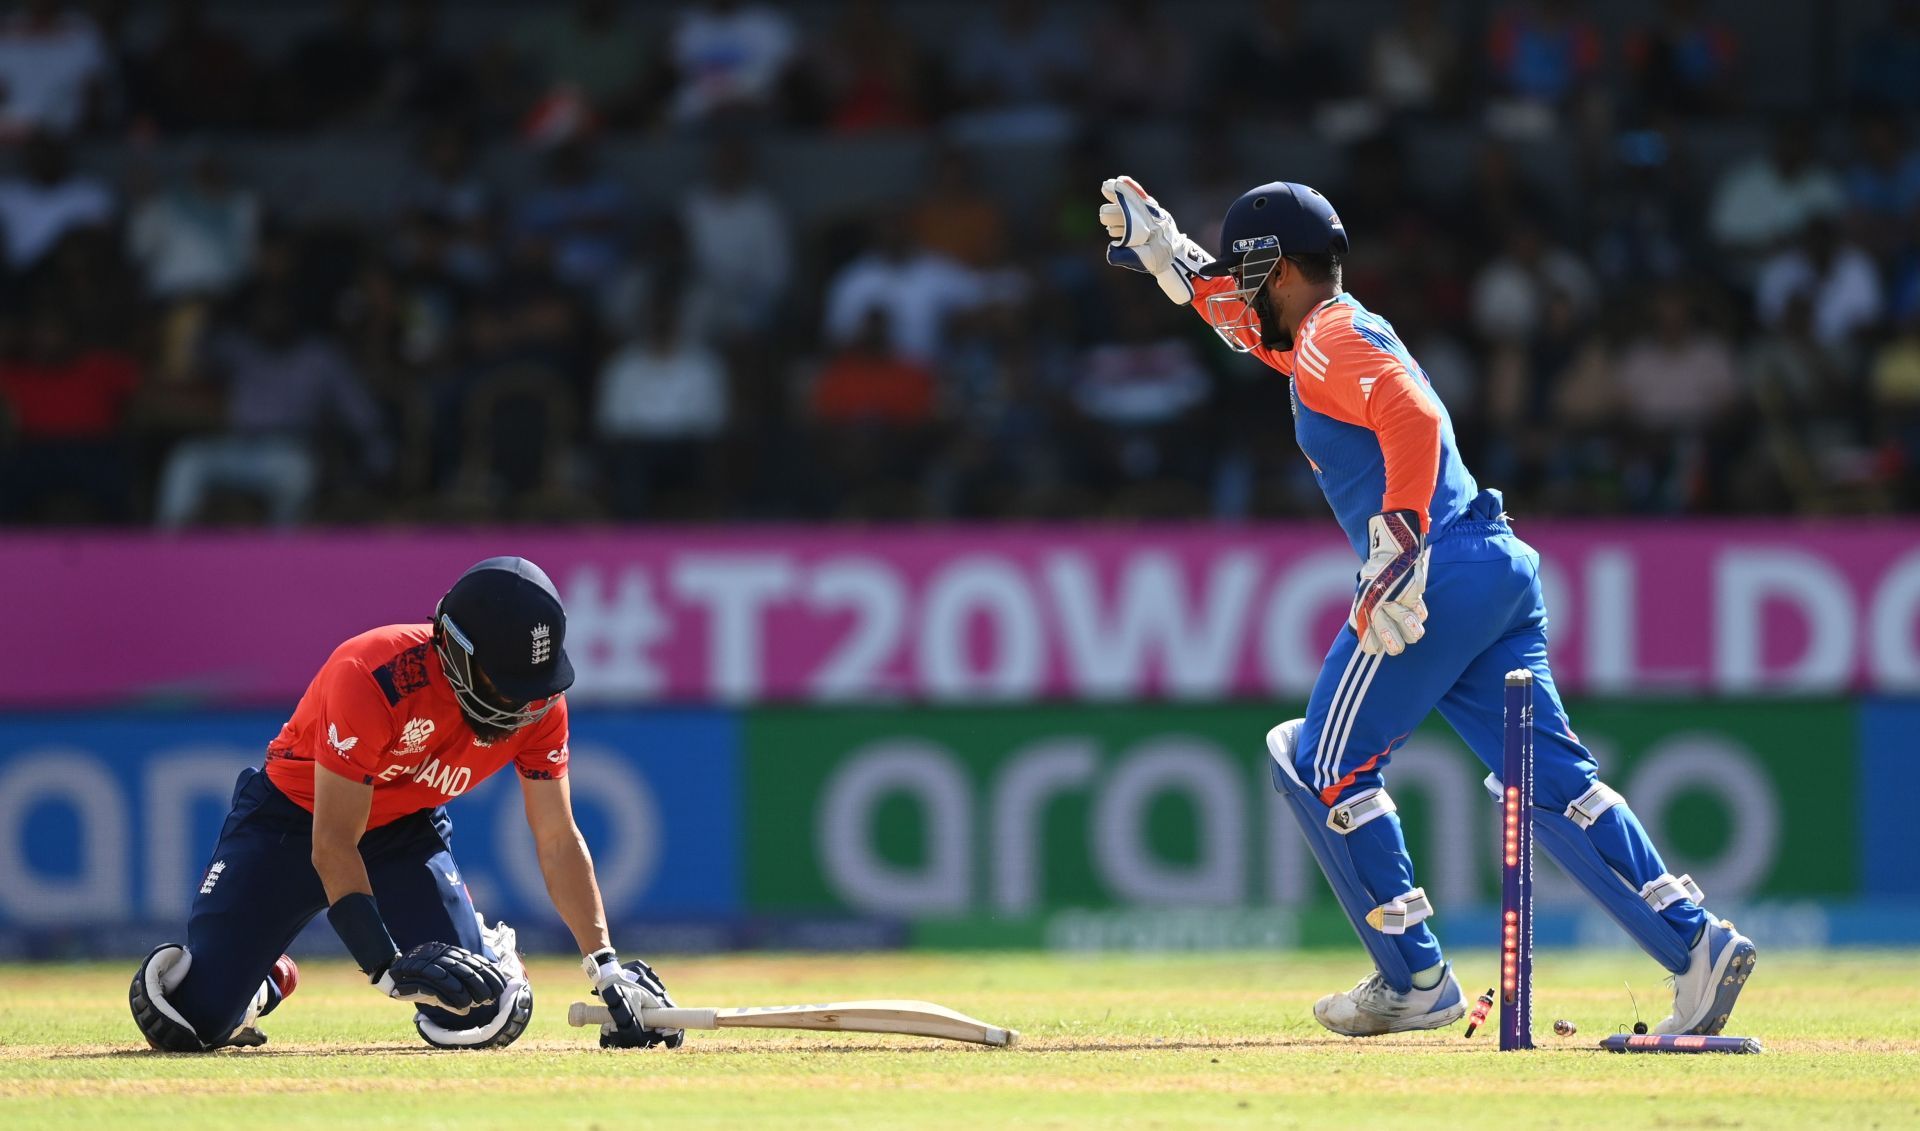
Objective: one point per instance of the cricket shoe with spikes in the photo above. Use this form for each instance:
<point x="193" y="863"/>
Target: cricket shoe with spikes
<point x="1373" y="1008"/>
<point x="1718" y="967"/>
<point x="280" y="983"/>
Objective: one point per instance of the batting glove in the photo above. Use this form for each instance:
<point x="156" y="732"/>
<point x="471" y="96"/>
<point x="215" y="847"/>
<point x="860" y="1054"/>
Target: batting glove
<point x="626" y="990"/>
<point x="1145" y="239"/>
<point x="1389" y="612"/>
<point x="443" y="976"/>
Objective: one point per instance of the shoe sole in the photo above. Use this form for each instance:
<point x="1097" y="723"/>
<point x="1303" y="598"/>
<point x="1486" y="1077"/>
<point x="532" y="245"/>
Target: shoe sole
<point x="1730" y="979"/>
<point x="1439" y="1019"/>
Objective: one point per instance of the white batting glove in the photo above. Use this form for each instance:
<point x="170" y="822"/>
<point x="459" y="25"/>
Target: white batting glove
<point x="1145" y="238"/>
<point x="1390" y="611"/>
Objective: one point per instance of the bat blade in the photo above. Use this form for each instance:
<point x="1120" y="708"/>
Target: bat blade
<point x="913" y="1018"/>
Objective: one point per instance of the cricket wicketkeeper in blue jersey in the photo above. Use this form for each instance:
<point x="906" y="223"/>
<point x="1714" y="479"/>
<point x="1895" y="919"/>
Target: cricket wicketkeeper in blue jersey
<point x="1446" y="602"/>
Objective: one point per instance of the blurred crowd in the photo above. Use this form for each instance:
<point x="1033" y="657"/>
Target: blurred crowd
<point x="1669" y="338"/>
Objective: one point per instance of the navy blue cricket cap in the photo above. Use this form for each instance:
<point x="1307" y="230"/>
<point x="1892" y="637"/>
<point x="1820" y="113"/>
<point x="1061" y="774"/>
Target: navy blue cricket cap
<point x="1279" y="217"/>
<point x="508" y="617"/>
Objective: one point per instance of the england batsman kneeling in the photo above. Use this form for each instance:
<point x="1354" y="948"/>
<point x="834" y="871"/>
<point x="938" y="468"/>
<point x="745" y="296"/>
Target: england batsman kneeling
<point x="348" y="817"/>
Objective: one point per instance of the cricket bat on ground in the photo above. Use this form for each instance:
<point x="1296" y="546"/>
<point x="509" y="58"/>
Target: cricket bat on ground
<point x="914" y="1018"/>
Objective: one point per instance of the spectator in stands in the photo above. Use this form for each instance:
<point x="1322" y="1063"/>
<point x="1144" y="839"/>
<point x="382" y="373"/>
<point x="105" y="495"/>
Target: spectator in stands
<point x="920" y="290"/>
<point x="1679" y="392"/>
<point x="1806" y="405"/>
<point x="1895" y="387"/>
<point x="450" y="204"/>
<point x="338" y="71"/>
<point x="49" y="200"/>
<point x="1414" y="61"/>
<point x="580" y="214"/>
<point x="1145" y="64"/>
<point x="875" y="75"/>
<point x="1509" y="294"/>
<point x="872" y="414"/>
<point x="866" y="383"/>
<point x="662" y="406"/>
<point x="1841" y="277"/>
<point x="1644" y="216"/>
<point x="1883" y="183"/>
<point x="289" y="395"/>
<point x="1770" y="199"/>
<point x="1018" y="70"/>
<point x="1886" y="59"/>
<point x="196" y="76"/>
<point x="957" y="216"/>
<point x="196" y="238"/>
<point x="1141" y="400"/>
<point x="1497" y="190"/>
<point x="1684" y="63"/>
<point x="1273" y="70"/>
<point x="67" y="459"/>
<point x="424" y="78"/>
<point x="53" y="65"/>
<point x="1543" y="50"/>
<point x="1676" y="375"/>
<point x="739" y="244"/>
<point x="591" y="46"/>
<point x="730" y="59"/>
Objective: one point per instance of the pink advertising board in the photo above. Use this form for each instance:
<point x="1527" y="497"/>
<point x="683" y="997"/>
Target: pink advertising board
<point x="986" y="613"/>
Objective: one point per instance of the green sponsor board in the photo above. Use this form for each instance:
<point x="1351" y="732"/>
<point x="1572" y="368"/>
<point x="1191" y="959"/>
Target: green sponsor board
<point x="1023" y="818"/>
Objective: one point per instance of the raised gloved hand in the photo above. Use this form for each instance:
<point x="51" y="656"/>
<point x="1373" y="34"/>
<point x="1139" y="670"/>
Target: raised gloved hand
<point x="626" y="989"/>
<point x="1146" y="239"/>
<point x="1389" y="611"/>
<point x="443" y="976"/>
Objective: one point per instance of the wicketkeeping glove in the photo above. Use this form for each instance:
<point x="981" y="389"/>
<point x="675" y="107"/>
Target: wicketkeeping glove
<point x="444" y="976"/>
<point x="626" y="990"/>
<point x="1145" y="238"/>
<point x="1389" y="611"/>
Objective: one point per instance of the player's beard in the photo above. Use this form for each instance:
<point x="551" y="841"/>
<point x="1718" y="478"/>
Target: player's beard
<point x="1274" y="333"/>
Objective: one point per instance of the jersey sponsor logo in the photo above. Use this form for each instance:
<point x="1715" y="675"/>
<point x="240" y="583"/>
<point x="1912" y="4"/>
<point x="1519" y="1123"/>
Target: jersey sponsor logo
<point x="213" y="877"/>
<point x="557" y="757"/>
<point x="542" y="643"/>
<point x="340" y="745"/>
<point x="414" y="736"/>
<point x="1257" y="243"/>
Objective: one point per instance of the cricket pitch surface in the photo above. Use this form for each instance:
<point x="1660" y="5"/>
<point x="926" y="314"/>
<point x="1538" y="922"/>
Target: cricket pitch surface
<point x="1170" y="1041"/>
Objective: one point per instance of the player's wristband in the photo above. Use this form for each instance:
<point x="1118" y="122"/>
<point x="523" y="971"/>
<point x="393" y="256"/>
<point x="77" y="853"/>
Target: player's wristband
<point x="600" y="964"/>
<point x="356" y="919"/>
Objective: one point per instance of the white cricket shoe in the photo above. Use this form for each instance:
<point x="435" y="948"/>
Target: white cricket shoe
<point x="1373" y="1007"/>
<point x="1717" y="970"/>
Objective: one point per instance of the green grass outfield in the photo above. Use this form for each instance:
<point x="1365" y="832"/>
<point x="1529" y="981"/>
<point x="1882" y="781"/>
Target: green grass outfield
<point x="1176" y="1041"/>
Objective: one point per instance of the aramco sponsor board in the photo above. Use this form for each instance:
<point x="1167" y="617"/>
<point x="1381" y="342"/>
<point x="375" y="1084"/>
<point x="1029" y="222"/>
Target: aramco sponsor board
<point x="1068" y="826"/>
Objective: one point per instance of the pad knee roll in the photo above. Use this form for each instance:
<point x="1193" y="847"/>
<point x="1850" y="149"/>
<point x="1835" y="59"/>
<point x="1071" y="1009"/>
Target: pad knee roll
<point x="514" y="1014"/>
<point x="159" y="1022"/>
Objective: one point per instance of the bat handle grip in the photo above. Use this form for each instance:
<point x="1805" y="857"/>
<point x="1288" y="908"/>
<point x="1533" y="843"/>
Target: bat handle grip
<point x="582" y="1013"/>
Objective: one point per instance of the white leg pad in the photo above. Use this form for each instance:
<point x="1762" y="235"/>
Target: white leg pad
<point x="1587" y="808"/>
<point x="1402" y="911"/>
<point x="1359" y="809"/>
<point x="1665" y="890"/>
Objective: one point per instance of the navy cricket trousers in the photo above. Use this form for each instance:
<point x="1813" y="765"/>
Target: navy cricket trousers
<point x="260" y="889"/>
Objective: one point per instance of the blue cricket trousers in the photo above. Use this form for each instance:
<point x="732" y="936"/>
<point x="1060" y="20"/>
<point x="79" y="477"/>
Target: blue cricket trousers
<point x="260" y="889"/>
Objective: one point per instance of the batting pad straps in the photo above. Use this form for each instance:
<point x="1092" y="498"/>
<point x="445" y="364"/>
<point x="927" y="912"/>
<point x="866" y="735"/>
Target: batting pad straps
<point x="1397" y="914"/>
<point x="1587" y="808"/>
<point x="1358" y="810"/>
<point x="1663" y="891"/>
